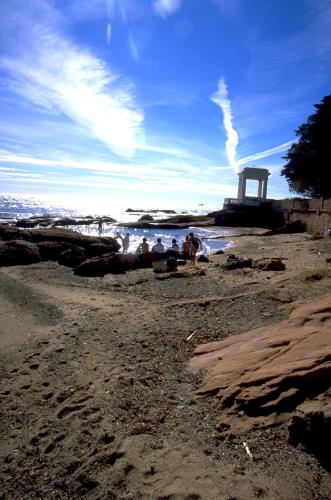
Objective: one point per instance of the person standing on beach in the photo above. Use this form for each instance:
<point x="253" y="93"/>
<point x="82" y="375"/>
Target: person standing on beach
<point x="100" y="227"/>
<point x="125" y="241"/>
<point x="186" y="247"/>
<point x="195" y="243"/>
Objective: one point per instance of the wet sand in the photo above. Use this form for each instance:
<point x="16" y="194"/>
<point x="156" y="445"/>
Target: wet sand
<point x="96" y="396"/>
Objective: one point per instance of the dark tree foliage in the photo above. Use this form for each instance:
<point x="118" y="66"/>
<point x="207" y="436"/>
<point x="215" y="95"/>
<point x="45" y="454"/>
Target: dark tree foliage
<point x="308" y="167"/>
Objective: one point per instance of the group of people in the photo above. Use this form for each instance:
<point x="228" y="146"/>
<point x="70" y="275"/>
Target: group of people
<point x="189" y="249"/>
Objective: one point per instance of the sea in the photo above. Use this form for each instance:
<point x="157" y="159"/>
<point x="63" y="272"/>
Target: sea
<point x="14" y="207"/>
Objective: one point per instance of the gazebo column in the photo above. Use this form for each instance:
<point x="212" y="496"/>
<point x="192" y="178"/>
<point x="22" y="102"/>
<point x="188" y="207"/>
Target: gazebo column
<point x="244" y="188"/>
<point x="240" y="186"/>
<point x="257" y="174"/>
<point x="259" y="193"/>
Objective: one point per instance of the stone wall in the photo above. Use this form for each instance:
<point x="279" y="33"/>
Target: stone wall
<point x="315" y="214"/>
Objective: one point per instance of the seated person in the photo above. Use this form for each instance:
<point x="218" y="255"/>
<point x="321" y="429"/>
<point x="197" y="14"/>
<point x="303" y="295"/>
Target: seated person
<point x="173" y="251"/>
<point x="174" y="245"/>
<point x="158" y="247"/>
<point x="143" y="247"/>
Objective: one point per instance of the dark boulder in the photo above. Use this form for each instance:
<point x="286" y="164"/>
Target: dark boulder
<point x="202" y="258"/>
<point x="219" y="252"/>
<point x="26" y="223"/>
<point x="184" y="219"/>
<point x="96" y="249"/>
<point x="116" y="263"/>
<point x="72" y="257"/>
<point x="82" y="221"/>
<point x="8" y="233"/>
<point x="242" y="215"/>
<point x="270" y="265"/>
<point x="119" y="263"/>
<point x="51" y="250"/>
<point x="98" y="266"/>
<point x="51" y="244"/>
<point x="72" y="237"/>
<point x="154" y="211"/>
<point x="311" y="426"/>
<point x="52" y="234"/>
<point x="234" y="262"/>
<point x="18" y="252"/>
<point x="165" y="265"/>
<point x="34" y="221"/>
<point x="146" y="217"/>
<point x="146" y="260"/>
<point x="171" y="253"/>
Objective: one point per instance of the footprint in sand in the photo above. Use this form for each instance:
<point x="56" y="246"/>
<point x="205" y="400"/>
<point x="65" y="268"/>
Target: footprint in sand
<point x="52" y="445"/>
<point x="72" y="401"/>
<point x="67" y="411"/>
<point x="48" y="395"/>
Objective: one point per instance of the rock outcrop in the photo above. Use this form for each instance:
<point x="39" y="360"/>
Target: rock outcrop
<point x="235" y="262"/>
<point x="146" y="218"/>
<point x="311" y="426"/>
<point x="261" y="377"/>
<point x="23" y="246"/>
<point x="175" y="222"/>
<point x="270" y="265"/>
<point x="51" y="250"/>
<point x="241" y="215"/>
<point x="18" y="252"/>
<point x="63" y="221"/>
<point x="72" y="257"/>
<point x="117" y="263"/>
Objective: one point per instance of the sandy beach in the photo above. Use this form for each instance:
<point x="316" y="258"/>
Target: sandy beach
<point x="96" y="394"/>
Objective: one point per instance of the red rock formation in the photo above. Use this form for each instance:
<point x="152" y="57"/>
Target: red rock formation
<point x="262" y="376"/>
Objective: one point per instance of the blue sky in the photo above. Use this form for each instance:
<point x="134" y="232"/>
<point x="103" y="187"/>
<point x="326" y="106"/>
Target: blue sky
<point x="155" y="102"/>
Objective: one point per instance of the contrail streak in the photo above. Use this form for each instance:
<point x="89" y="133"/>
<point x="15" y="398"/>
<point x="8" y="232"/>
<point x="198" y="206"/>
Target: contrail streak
<point x="221" y="99"/>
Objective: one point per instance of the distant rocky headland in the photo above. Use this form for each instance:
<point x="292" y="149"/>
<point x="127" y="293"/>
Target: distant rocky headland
<point x="235" y="217"/>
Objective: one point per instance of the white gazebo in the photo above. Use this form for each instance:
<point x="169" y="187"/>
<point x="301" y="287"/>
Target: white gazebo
<point x="252" y="173"/>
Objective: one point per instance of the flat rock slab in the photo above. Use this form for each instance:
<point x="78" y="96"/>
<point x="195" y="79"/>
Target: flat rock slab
<point x="262" y="376"/>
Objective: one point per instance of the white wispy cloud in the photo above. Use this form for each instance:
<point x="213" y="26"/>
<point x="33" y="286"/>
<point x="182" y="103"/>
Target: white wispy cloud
<point x="165" y="8"/>
<point x="265" y="154"/>
<point x="46" y="68"/>
<point x="222" y="100"/>
<point x="174" y="167"/>
<point x="127" y="169"/>
<point x="169" y="176"/>
<point x="145" y="185"/>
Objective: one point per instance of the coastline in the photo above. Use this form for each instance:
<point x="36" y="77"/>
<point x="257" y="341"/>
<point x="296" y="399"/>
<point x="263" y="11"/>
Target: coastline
<point x="97" y="395"/>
